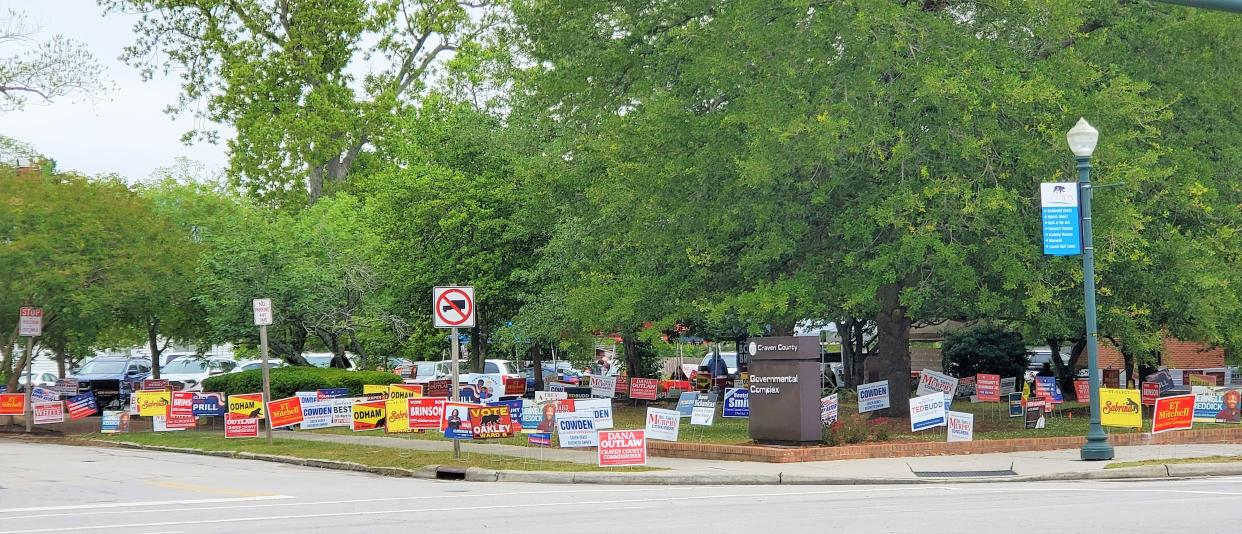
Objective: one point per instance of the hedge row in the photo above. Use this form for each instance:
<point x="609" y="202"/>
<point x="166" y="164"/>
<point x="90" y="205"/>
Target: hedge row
<point x="288" y="380"/>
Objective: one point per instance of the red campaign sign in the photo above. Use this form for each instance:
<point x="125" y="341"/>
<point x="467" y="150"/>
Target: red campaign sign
<point x="426" y="413"/>
<point x="285" y="412"/>
<point x="622" y="447"/>
<point x="987" y="387"/>
<point x="181" y="411"/>
<point x="12" y="403"/>
<point x="487" y="422"/>
<point x="439" y="388"/>
<point x="623" y="385"/>
<point x="1082" y="390"/>
<point x="1151" y="392"/>
<point x="151" y="384"/>
<point x="515" y="386"/>
<point x="644" y="388"/>
<point x="241" y="428"/>
<point x="1173" y="413"/>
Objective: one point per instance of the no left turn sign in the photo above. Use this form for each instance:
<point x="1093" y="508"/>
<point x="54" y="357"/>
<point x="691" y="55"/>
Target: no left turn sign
<point x="453" y="307"/>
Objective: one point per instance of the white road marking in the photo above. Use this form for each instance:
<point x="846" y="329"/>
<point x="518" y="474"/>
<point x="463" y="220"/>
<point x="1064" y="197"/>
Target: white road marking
<point x="144" y="503"/>
<point x="471" y="508"/>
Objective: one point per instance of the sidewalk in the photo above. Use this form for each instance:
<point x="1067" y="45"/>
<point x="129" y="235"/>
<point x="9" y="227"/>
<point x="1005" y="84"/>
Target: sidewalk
<point x="1033" y="465"/>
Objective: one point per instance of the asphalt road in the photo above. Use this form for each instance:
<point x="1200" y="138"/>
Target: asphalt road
<point x="52" y="488"/>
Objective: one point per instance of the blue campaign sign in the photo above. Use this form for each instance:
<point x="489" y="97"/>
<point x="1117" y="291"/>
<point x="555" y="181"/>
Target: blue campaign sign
<point x="1062" y="227"/>
<point x="685" y="403"/>
<point x="208" y="404"/>
<point x="737" y="402"/>
<point x="331" y="393"/>
<point x="515" y="408"/>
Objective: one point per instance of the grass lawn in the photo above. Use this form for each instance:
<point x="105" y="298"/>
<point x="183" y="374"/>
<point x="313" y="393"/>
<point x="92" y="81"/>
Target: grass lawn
<point x="1202" y="460"/>
<point x="362" y="454"/>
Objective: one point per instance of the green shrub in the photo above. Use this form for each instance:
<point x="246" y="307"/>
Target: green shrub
<point x="288" y="380"/>
<point x="984" y="349"/>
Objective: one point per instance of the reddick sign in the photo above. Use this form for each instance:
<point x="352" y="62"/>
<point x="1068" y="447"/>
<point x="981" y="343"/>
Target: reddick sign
<point x="784" y="389"/>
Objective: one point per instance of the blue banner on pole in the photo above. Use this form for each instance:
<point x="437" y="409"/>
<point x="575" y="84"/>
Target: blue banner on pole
<point x="1062" y="228"/>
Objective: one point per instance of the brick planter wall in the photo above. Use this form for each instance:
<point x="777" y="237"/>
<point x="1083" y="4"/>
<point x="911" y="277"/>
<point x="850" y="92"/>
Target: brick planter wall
<point x="777" y="454"/>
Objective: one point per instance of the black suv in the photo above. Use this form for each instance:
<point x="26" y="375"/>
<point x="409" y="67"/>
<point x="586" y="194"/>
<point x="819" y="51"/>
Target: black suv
<point x="111" y="378"/>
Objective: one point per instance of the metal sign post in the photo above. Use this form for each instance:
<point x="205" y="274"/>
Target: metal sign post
<point x="453" y="308"/>
<point x="263" y="318"/>
<point x="30" y="324"/>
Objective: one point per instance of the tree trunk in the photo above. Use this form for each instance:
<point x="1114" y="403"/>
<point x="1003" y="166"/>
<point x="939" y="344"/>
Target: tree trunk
<point x="153" y="330"/>
<point x="536" y="360"/>
<point x="633" y="360"/>
<point x="476" y="352"/>
<point x="60" y="362"/>
<point x="892" y="362"/>
<point x="1127" y="356"/>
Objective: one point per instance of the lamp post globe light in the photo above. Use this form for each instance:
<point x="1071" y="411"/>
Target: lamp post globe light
<point x="1082" y="139"/>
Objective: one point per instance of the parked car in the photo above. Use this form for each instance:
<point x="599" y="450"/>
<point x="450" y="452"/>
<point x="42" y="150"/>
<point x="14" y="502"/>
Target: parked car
<point x="423" y="372"/>
<point x="40" y="380"/>
<point x="254" y="365"/>
<point x="324" y="360"/>
<point x="490" y="367"/>
<point x="188" y="372"/>
<point x="562" y="372"/>
<point x="730" y="361"/>
<point x="111" y="379"/>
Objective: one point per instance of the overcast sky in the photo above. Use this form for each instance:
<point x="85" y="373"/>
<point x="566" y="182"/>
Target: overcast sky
<point x="125" y="131"/>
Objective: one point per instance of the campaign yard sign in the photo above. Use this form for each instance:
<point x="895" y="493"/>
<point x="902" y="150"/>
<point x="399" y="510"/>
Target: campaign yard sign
<point x="1173" y="413"/>
<point x="1035" y="414"/>
<point x="342" y="411"/>
<point x="685" y="403"/>
<point x="245" y="406"/>
<point x="600" y="410"/>
<point x="47" y="413"/>
<point x="1208" y="403"/>
<point x="927" y="411"/>
<point x="1151" y="392"/>
<point x="368" y="415"/>
<point x="209" y="405"/>
<point x="1120" y="408"/>
<point x="12" y="403"/>
<point x="966" y="386"/>
<point x="618" y="448"/>
<point x="332" y="393"/>
<point x="425" y="413"/>
<point x="644" y="388"/>
<point x="397" y="415"/>
<point x="873" y="396"/>
<point x="987" y="387"/>
<point x="932" y="382"/>
<point x="603" y="386"/>
<point x="154" y="403"/>
<point x="181" y="411"/>
<point x="662" y="424"/>
<point x="1015" y="404"/>
<point x="67" y="387"/>
<point x="545" y="396"/>
<point x="623" y="386"/>
<point x="704" y="411"/>
<point x="375" y="391"/>
<point x="439" y="388"/>
<point x="456" y="423"/>
<point x="316" y="412"/>
<point x="961" y="426"/>
<point x="576" y="431"/>
<point x="490" y="422"/>
<point x="42" y="394"/>
<point x="247" y="427"/>
<point x="736" y="402"/>
<point x="1008" y="385"/>
<point x="284" y="412"/>
<point x="1046" y="388"/>
<point x="80" y="406"/>
<point x="1082" y="390"/>
<point x="530" y="416"/>
<point x="114" y="421"/>
<point x="515" y="387"/>
<point x="829" y="410"/>
<point x="404" y="391"/>
<point x="515" y="410"/>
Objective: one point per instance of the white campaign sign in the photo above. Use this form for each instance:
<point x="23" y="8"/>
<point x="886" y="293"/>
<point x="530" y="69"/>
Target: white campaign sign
<point x="453" y="307"/>
<point x="961" y="426"/>
<point x="545" y="396"/>
<point x="927" y="411"/>
<point x="931" y="381"/>
<point x="604" y="386"/>
<point x="662" y="424"/>
<point x="599" y="410"/>
<point x="576" y="431"/>
<point x="873" y="396"/>
<point x="704" y="411"/>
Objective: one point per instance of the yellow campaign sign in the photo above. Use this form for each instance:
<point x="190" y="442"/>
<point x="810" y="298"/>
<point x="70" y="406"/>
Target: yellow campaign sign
<point x="154" y="403"/>
<point x="246" y="406"/>
<point x="398" y="415"/>
<point x="405" y="391"/>
<point x="371" y="390"/>
<point x="1120" y="407"/>
<point x="369" y="415"/>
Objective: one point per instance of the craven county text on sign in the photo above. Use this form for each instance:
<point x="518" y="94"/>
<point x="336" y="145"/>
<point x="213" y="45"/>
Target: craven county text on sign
<point x="1058" y="204"/>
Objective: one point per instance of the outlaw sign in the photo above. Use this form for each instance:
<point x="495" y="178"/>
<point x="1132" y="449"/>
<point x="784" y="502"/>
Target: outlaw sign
<point x="453" y="307"/>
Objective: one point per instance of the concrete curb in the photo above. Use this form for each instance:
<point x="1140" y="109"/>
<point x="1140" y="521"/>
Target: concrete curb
<point x="476" y="474"/>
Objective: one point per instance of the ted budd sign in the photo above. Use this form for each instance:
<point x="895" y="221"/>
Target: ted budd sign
<point x="1058" y="203"/>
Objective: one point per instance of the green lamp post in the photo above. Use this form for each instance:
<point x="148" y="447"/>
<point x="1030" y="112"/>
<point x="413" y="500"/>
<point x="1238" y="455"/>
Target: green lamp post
<point x="1082" y="139"/>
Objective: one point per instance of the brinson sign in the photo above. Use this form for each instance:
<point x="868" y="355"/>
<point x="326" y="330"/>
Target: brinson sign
<point x="453" y="307"/>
